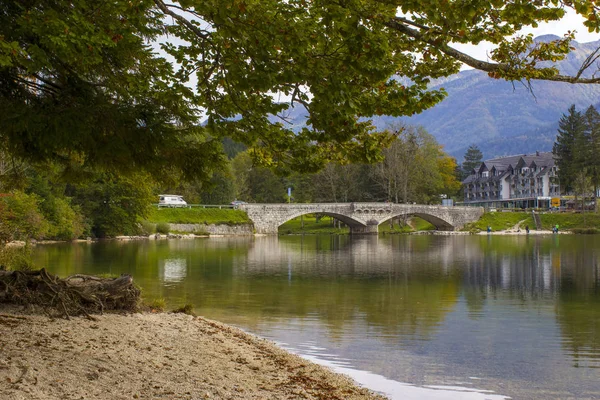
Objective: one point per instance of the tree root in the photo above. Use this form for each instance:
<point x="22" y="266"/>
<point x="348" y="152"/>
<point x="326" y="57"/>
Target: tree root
<point x="75" y="295"/>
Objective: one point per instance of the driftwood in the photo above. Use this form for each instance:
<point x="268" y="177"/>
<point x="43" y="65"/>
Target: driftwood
<point x="75" y="295"/>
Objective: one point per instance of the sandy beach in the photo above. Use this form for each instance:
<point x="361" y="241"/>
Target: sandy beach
<point x="153" y="355"/>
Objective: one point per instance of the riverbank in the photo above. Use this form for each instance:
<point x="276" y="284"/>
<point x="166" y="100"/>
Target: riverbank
<point x="523" y="232"/>
<point x="513" y="221"/>
<point x="150" y="355"/>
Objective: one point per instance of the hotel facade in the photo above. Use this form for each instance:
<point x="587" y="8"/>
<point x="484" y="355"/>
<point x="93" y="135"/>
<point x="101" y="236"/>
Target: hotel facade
<point x="522" y="181"/>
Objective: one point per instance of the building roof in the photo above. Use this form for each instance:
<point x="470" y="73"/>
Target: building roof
<point x="543" y="160"/>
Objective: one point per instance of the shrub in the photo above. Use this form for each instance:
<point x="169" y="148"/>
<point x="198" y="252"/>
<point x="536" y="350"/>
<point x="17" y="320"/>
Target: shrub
<point x="163" y="228"/>
<point x="147" y="228"/>
<point x="67" y="222"/>
<point x="114" y="204"/>
<point x="158" y="304"/>
<point x="16" y="258"/>
<point x="187" y="309"/>
<point x="20" y="217"/>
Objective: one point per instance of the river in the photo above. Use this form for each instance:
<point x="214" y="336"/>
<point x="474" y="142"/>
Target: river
<point x="413" y="317"/>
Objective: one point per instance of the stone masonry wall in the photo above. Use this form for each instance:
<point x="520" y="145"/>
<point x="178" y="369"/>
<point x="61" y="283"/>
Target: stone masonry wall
<point x="214" y="229"/>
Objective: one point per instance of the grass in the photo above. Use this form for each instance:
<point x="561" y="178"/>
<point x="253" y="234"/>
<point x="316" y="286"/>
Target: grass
<point x="163" y="228"/>
<point x="225" y="216"/>
<point x="324" y="226"/>
<point x="414" y="224"/>
<point x="421" y="225"/>
<point x="397" y="228"/>
<point x="107" y="276"/>
<point x="311" y="226"/>
<point x="500" y="221"/>
<point x="158" y="304"/>
<point x="570" y="221"/>
<point x="186" y="309"/>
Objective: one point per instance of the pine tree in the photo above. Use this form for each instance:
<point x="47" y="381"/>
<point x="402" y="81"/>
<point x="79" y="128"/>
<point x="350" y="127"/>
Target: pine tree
<point x="592" y="132"/>
<point x="570" y="147"/>
<point x="473" y="157"/>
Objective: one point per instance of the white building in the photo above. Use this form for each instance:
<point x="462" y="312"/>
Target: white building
<point x="514" y="181"/>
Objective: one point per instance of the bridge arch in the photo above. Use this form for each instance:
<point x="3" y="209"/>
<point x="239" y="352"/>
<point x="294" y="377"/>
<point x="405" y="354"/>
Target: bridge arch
<point x="351" y="222"/>
<point x="439" y="223"/>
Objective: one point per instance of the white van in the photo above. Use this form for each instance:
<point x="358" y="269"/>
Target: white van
<point x="171" y="200"/>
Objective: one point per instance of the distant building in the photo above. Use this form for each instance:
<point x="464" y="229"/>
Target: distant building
<point x="513" y="182"/>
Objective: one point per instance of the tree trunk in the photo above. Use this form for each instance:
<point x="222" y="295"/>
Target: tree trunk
<point x="596" y="198"/>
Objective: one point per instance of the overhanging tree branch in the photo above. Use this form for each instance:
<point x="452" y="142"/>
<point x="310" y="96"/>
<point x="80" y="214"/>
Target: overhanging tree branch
<point x="182" y="20"/>
<point x="401" y="25"/>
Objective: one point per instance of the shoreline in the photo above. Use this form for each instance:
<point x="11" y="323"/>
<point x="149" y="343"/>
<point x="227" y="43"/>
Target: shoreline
<point x="153" y="355"/>
<point x="522" y="232"/>
<point x="20" y="243"/>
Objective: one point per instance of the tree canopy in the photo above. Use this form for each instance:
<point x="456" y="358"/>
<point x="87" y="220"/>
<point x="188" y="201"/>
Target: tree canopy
<point x="576" y="151"/>
<point x="81" y="82"/>
<point x="472" y="159"/>
<point x="414" y="169"/>
<point x="571" y="131"/>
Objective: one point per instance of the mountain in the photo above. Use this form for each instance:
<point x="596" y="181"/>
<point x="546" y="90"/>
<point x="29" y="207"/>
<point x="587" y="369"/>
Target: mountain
<point x="500" y="117"/>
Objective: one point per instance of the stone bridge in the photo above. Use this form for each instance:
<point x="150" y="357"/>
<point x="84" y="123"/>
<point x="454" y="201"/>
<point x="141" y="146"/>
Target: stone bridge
<point x="360" y="217"/>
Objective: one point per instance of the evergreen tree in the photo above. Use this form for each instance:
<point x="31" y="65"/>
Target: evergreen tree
<point x="592" y="132"/>
<point x="473" y="157"/>
<point x="569" y="148"/>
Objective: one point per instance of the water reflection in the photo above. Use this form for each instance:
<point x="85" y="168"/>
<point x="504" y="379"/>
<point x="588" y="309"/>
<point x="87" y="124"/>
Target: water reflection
<point x="395" y="389"/>
<point x="174" y="270"/>
<point x="520" y="314"/>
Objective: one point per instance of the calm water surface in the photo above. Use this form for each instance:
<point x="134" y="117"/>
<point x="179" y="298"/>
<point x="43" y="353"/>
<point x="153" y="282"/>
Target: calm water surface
<point x="414" y="317"/>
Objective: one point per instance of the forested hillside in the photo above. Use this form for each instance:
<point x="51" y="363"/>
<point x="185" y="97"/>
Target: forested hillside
<point x="504" y="118"/>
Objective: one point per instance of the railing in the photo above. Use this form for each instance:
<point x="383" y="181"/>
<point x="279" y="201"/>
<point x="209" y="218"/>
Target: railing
<point x="193" y="206"/>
